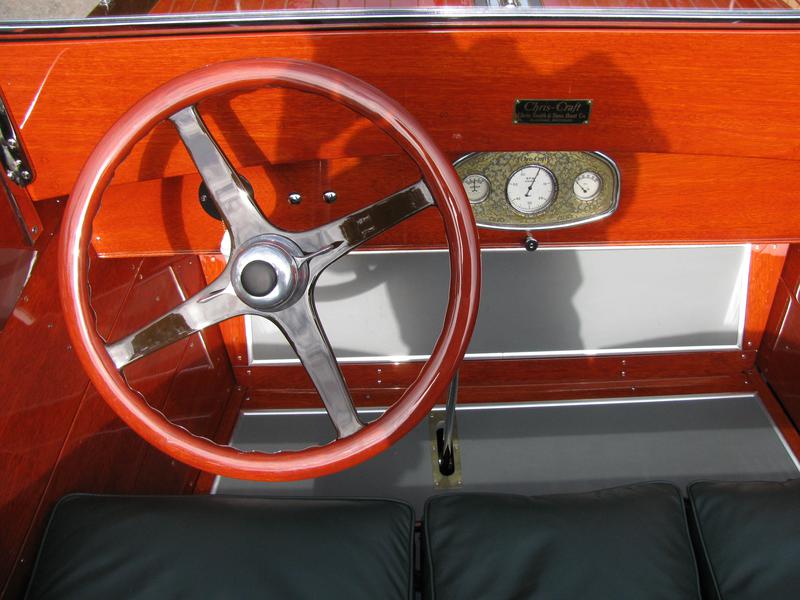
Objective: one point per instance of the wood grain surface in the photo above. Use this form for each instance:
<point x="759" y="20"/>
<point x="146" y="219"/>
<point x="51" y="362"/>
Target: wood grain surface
<point x="725" y="92"/>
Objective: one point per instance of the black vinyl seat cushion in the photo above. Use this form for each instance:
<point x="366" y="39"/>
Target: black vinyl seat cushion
<point x="621" y="543"/>
<point x="749" y="536"/>
<point x="225" y="547"/>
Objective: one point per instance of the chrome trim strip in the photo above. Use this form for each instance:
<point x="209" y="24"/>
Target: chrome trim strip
<point x="744" y="287"/>
<point x="510" y="405"/>
<point x="746" y="253"/>
<point x="408" y="16"/>
<point x="507" y="355"/>
<point x="544" y="248"/>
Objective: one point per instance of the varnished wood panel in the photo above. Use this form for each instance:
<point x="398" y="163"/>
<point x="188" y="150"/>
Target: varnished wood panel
<point x="259" y="399"/>
<point x="11" y="235"/>
<point x="779" y="353"/>
<point x="576" y="372"/>
<point x="17" y="239"/>
<point x="43" y="386"/>
<point x="56" y="434"/>
<point x="15" y="264"/>
<point x="230" y="416"/>
<point x="791" y="271"/>
<point x="650" y="93"/>
<point x="97" y="437"/>
<point x="665" y="198"/>
<point x="766" y="265"/>
<point x="198" y="394"/>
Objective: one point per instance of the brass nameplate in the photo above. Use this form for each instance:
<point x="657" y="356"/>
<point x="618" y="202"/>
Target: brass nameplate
<point x="552" y="112"/>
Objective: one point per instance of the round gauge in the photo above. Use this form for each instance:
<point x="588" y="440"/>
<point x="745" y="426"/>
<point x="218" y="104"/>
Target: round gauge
<point x="477" y="188"/>
<point x="587" y="185"/>
<point x="531" y="189"/>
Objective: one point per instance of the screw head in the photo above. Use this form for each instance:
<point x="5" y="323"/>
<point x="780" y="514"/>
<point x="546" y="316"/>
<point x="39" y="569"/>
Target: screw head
<point x="295" y="198"/>
<point x="329" y="196"/>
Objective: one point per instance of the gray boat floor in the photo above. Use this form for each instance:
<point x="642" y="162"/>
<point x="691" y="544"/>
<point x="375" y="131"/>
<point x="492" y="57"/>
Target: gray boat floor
<point x="540" y="448"/>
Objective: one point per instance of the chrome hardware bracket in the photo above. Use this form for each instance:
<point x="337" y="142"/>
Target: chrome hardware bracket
<point x="12" y="154"/>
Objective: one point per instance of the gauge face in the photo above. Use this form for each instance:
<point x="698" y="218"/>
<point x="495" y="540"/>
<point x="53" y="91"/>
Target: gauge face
<point x="587" y="185"/>
<point x="531" y="189"/>
<point x="477" y="188"/>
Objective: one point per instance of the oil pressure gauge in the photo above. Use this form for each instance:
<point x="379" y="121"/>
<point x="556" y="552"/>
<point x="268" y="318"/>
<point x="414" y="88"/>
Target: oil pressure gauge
<point x="477" y="188"/>
<point x="587" y="185"/>
<point x="531" y="189"/>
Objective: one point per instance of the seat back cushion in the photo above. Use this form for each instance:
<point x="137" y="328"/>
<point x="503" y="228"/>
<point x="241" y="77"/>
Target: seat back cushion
<point x="749" y="536"/>
<point x="225" y="547"/>
<point x="622" y="543"/>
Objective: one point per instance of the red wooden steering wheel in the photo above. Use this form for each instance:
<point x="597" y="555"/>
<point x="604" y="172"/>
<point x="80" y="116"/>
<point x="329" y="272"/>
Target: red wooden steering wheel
<point x="271" y="272"/>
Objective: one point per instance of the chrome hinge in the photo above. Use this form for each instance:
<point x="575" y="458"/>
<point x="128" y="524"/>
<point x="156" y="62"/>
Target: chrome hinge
<point x="12" y="154"/>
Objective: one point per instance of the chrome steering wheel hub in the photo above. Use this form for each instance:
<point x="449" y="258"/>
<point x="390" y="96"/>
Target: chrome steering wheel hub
<point x="268" y="272"/>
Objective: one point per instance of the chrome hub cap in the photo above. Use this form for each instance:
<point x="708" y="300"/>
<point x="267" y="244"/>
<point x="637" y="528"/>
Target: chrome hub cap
<point x="268" y="272"/>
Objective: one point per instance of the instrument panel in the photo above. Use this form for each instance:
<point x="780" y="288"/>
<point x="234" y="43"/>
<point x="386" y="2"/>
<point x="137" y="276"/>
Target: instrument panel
<point x="539" y="190"/>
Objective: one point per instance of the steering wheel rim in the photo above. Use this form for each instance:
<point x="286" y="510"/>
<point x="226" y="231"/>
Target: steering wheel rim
<point x="440" y="178"/>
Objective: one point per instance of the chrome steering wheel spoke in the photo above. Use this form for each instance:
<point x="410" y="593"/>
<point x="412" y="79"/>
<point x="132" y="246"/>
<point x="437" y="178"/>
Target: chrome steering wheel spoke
<point x="214" y="304"/>
<point x="270" y="262"/>
<point x="239" y="210"/>
<point x="326" y="244"/>
<point x="303" y="329"/>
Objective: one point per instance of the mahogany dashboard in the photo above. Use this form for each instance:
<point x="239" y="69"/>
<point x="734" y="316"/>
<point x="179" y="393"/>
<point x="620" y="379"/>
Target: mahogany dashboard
<point x="539" y="190"/>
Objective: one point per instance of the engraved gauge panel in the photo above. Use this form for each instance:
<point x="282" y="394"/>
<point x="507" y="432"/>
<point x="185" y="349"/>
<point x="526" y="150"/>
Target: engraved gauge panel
<point x="531" y="189"/>
<point x="539" y="190"/>
<point x="477" y="188"/>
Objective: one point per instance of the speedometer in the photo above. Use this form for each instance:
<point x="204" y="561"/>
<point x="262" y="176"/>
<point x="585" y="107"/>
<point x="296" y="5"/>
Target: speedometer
<point x="531" y="189"/>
